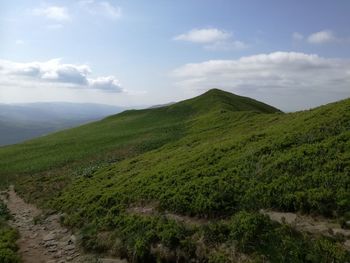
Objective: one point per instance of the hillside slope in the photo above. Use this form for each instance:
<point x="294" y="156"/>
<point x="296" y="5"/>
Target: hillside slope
<point x="127" y="133"/>
<point x="187" y="181"/>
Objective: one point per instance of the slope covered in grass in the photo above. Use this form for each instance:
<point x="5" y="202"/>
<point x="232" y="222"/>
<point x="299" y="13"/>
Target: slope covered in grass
<point x="227" y="163"/>
<point x="218" y="157"/>
<point x="114" y="138"/>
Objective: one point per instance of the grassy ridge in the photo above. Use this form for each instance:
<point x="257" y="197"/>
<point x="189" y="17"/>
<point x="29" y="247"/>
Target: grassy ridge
<point x="218" y="156"/>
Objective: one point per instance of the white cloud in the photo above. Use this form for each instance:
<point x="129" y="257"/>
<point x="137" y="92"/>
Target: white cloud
<point x="211" y="38"/>
<point x="110" y="84"/>
<point x="297" y="36"/>
<point x="206" y="35"/>
<point x="289" y="80"/>
<point x="54" y="73"/>
<point x="321" y="37"/>
<point x="58" y="13"/>
<point x="103" y="8"/>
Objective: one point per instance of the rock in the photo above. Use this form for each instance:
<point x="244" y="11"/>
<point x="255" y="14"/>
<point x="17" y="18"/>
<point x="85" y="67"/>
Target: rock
<point x="64" y="231"/>
<point x="70" y="252"/>
<point x="49" y="237"/>
<point x="72" y="240"/>
<point x="58" y="254"/>
<point x="69" y="247"/>
<point x="50" y="243"/>
<point x="53" y="250"/>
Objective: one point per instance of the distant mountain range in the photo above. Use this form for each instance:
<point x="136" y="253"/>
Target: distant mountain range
<point x="19" y="122"/>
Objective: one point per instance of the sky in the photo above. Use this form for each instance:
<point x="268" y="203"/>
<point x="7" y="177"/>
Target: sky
<point x="291" y="54"/>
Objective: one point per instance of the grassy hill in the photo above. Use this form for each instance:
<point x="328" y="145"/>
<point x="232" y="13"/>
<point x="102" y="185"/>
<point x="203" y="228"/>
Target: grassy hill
<point x="213" y="162"/>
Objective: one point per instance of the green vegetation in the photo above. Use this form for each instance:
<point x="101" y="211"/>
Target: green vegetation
<point x="8" y="237"/>
<point x="219" y="157"/>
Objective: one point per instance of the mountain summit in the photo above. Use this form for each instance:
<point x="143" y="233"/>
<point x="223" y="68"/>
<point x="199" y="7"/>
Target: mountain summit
<point x="219" y="99"/>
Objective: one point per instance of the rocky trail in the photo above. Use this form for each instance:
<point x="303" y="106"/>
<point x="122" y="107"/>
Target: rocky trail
<point x="43" y="239"/>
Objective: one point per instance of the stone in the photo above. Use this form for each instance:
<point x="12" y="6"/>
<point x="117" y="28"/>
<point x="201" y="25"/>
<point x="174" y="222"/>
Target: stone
<point x="58" y="255"/>
<point x="49" y="237"/>
<point x="53" y="250"/>
<point x="50" y="243"/>
<point x="64" y="231"/>
<point x="72" y="239"/>
<point x="69" y="247"/>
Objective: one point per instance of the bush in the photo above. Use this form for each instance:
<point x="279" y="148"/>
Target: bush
<point x="8" y="256"/>
<point x="324" y="251"/>
<point x="8" y="247"/>
<point x="250" y="230"/>
<point x="4" y="212"/>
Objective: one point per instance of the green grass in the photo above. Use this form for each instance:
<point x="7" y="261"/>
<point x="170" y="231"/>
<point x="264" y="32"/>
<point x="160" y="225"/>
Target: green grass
<point x="218" y="156"/>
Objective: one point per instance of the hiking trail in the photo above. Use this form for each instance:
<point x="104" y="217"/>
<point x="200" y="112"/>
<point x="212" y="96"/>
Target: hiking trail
<point x="43" y="239"/>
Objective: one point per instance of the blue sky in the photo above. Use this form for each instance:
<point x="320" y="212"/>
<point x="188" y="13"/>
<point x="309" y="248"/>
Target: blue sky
<point x="291" y="54"/>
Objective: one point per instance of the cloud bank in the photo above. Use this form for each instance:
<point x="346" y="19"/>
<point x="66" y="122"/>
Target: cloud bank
<point x="55" y="73"/>
<point x="287" y="75"/>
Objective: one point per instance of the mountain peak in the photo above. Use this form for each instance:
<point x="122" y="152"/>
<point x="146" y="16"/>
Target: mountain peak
<point x="219" y="99"/>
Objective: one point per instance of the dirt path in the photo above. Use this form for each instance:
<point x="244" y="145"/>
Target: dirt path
<point x="45" y="240"/>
